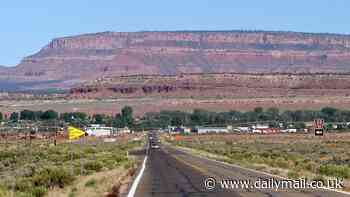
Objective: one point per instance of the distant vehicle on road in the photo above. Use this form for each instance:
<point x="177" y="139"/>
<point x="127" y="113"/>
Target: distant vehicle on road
<point x="155" y="146"/>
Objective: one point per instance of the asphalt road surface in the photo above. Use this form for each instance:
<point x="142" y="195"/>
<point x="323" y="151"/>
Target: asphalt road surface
<point x="173" y="173"/>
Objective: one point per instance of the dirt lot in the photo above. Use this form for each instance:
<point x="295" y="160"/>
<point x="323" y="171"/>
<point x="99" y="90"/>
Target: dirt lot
<point x="143" y="105"/>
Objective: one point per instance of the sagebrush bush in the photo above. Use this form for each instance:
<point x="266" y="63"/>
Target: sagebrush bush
<point x="293" y="174"/>
<point x="39" y="191"/>
<point x="23" y="185"/>
<point x="3" y="191"/>
<point x="281" y="163"/>
<point x="52" y="177"/>
<point x="340" y="171"/>
<point x="95" y="166"/>
<point x="90" y="183"/>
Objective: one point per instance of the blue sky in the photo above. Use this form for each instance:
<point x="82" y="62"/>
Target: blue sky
<point x="26" y="26"/>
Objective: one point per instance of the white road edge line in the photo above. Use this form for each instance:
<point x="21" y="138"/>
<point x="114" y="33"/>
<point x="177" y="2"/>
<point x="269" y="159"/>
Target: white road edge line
<point x="255" y="171"/>
<point x="138" y="178"/>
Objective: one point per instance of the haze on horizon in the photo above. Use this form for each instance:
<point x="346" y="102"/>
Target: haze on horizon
<point x="29" y="25"/>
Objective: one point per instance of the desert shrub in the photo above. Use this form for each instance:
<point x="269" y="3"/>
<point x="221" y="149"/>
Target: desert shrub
<point x="109" y="163"/>
<point x="93" y="166"/>
<point x="52" y="177"/>
<point x="293" y="174"/>
<point x="335" y="170"/>
<point x="71" y="155"/>
<point x="120" y="158"/>
<point x="129" y="164"/>
<point x="265" y="154"/>
<point x="281" y="163"/>
<point x="90" y="183"/>
<point x="6" y="154"/>
<point x="257" y="159"/>
<point x="23" y="185"/>
<point x="307" y="165"/>
<point x="90" y="150"/>
<point x="3" y="191"/>
<point x="28" y="170"/>
<point x="72" y="194"/>
<point x="39" y="191"/>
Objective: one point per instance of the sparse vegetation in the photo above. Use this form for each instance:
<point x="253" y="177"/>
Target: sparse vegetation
<point x="292" y="156"/>
<point x="90" y="183"/>
<point x="33" y="171"/>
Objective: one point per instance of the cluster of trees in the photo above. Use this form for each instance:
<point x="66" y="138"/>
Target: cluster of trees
<point x="197" y="117"/>
<point x="203" y="117"/>
<point x="123" y="119"/>
<point x="32" y="115"/>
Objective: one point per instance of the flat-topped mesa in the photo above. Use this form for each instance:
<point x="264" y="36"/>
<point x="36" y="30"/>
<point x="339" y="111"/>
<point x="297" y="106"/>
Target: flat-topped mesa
<point x="215" y="40"/>
<point x="106" y="40"/>
<point x="76" y="59"/>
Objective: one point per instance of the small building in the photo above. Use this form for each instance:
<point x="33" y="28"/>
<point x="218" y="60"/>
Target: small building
<point x="204" y="130"/>
<point x="266" y="130"/>
<point x="178" y="130"/>
<point x="172" y="130"/>
<point x="260" y="126"/>
<point x="99" y="130"/>
<point x="289" y="130"/>
<point x="243" y="129"/>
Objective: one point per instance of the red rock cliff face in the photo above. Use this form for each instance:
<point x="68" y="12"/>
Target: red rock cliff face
<point x="75" y="59"/>
<point x="228" y="85"/>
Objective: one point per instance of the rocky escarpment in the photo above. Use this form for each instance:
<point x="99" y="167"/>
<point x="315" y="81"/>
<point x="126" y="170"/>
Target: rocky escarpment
<point x="228" y="85"/>
<point x="71" y="60"/>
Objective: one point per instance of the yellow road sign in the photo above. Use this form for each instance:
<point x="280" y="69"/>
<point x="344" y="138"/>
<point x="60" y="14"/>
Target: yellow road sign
<point x="75" y="133"/>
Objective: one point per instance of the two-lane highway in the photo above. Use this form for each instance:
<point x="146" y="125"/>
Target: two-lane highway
<point x="173" y="173"/>
<point x="166" y="175"/>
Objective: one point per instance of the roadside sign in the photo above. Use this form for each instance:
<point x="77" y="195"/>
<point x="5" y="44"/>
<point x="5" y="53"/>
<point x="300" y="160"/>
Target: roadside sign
<point x="319" y="127"/>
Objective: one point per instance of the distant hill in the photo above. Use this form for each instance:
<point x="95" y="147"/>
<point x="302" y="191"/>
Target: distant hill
<point x="68" y="61"/>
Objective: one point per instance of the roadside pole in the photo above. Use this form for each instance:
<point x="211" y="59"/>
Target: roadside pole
<point x="6" y="138"/>
<point x="81" y="156"/>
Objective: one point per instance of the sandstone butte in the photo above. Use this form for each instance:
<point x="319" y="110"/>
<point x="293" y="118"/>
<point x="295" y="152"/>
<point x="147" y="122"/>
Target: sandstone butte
<point x="68" y="61"/>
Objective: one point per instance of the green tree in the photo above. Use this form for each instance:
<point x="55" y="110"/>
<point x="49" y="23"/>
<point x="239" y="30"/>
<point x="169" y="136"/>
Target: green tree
<point x="69" y="117"/>
<point x="329" y="126"/>
<point x="250" y="116"/>
<point x="329" y="113"/>
<point x="127" y="116"/>
<point x="300" y="125"/>
<point x="37" y="115"/>
<point x="1" y="117"/>
<point x="49" y="115"/>
<point x="27" y="115"/>
<point x="200" y="117"/>
<point x="14" y="116"/>
<point x="176" y="121"/>
<point x="118" y="121"/>
<point x="273" y="113"/>
<point x="99" y="119"/>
